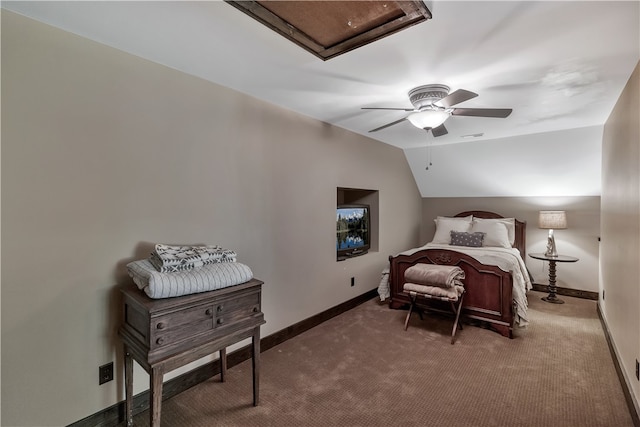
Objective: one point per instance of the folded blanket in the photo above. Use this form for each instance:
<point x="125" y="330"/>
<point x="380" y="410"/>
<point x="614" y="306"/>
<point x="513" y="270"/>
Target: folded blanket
<point x="443" y="276"/>
<point x="449" y="294"/>
<point x="171" y="258"/>
<point x="383" y="287"/>
<point x="207" y="278"/>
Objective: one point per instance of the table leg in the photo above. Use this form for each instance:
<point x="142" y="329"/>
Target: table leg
<point x="255" y="362"/>
<point x="155" y="399"/>
<point x="552" y="298"/>
<point x="223" y="364"/>
<point x="128" y="386"/>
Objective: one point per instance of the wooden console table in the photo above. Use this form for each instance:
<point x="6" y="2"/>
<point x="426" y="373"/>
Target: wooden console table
<point x="165" y="334"/>
<point x="552" y="298"/>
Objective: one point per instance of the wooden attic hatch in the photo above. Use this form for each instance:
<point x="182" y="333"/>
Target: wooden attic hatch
<point x="330" y="28"/>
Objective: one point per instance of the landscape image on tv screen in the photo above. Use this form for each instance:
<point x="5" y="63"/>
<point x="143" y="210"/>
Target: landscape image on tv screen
<point x="352" y="228"/>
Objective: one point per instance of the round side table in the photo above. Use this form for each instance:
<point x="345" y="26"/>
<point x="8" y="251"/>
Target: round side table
<point x="552" y="298"/>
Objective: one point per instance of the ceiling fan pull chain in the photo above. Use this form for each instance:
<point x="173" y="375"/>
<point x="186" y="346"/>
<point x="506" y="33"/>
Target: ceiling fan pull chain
<point x="428" y="162"/>
<point x="430" y="155"/>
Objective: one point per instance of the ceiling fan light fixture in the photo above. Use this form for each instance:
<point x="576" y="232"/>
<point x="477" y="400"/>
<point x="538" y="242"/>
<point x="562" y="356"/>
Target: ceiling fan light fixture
<point x="432" y="106"/>
<point x="428" y="119"/>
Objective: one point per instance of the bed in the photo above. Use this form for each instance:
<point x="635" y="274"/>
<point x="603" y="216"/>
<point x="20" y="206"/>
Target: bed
<point x="496" y="279"/>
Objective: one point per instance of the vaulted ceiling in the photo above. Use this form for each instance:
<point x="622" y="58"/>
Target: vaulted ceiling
<point x="559" y="65"/>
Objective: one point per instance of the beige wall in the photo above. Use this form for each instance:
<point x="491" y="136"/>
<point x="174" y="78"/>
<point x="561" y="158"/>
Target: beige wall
<point x="620" y="249"/>
<point x="580" y="239"/>
<point x="104" y="154"/>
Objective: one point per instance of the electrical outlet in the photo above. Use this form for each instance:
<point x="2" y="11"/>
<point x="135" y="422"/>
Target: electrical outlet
<point x="637" y="370"/>
<point x="353" y="281"/>
<point x="106" y="373"/>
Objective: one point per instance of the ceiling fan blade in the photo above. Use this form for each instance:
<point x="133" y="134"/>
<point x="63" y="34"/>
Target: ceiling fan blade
<point x="388" y="124"/>
<point x="385" y="108"/>
<point x="439" y="131"/>
<point x="499" y="113"/>
<point x="456" y="97"/>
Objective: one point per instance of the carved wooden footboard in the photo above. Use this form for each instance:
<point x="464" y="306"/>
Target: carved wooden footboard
<point x="488" y="296"/>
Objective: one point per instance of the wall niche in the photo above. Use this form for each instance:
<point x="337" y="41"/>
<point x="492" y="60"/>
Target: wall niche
<point x="354" y="197"/>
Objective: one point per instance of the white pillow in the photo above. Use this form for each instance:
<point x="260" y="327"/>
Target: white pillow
<point x="444" y="226"/>
<point x="495" y="233"/>
<point x="510" y="223"/>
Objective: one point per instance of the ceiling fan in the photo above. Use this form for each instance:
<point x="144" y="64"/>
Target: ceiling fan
<point x="433" y="105"/>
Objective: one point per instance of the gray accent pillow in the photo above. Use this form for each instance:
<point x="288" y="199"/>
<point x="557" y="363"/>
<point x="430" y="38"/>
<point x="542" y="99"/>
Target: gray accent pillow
<point x="473" y="240"/>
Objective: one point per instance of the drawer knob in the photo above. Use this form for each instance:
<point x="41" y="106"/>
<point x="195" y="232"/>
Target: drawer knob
<point x="219" y="308"/>
<point x="255" y="309"/>
<point x="160" y="325"/>
<point x="160" y="341"/>
<point x="220" y="321"/>
<point x="208" y="312"/>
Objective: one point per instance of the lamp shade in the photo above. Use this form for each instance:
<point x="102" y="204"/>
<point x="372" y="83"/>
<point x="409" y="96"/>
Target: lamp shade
<point x="552" y="219"/>
<point x="428" y="119"/>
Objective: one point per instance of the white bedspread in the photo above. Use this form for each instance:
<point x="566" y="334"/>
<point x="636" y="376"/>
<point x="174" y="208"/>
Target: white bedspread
<point x="508" y="259"/>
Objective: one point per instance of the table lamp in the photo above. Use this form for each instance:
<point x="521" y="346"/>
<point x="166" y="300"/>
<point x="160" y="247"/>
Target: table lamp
<point x="552" y="220"/>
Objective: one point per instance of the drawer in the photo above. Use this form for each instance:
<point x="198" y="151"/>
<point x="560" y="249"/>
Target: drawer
<point x="180" y="325"/>
<point x="232" y="310"/>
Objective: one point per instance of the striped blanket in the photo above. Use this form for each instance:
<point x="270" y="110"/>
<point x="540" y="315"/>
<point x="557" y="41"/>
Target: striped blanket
<point x="207" y="278"/>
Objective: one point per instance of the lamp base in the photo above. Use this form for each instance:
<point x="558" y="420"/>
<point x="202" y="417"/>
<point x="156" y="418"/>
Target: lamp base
<point x="551" y="246"/>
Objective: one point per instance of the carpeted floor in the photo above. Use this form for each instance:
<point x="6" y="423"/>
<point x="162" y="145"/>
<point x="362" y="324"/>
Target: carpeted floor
<point x="362" y="369"/>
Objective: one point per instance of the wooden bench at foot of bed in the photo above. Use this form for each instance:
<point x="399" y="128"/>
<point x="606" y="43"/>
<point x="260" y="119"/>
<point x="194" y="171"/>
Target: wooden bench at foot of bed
<point x="488" y="297"/>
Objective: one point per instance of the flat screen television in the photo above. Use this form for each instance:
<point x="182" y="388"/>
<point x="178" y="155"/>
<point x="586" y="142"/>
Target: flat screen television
<point x="352" y="231"/>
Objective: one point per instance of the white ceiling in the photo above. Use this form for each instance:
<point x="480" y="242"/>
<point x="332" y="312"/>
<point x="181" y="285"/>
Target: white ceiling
<point x="559" y="65"/>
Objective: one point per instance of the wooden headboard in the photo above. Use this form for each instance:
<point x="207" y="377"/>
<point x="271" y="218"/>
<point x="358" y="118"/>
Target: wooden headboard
<point x="521" y="229"/>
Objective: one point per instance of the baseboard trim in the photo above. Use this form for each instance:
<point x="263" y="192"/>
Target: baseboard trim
<point x="114" y="414"/>
<point x="567" y="291"/>
<point x="632" y="403"/>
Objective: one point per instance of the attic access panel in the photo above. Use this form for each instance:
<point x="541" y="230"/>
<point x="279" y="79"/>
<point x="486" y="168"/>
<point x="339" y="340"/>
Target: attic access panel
<point x="331" y="28"/>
